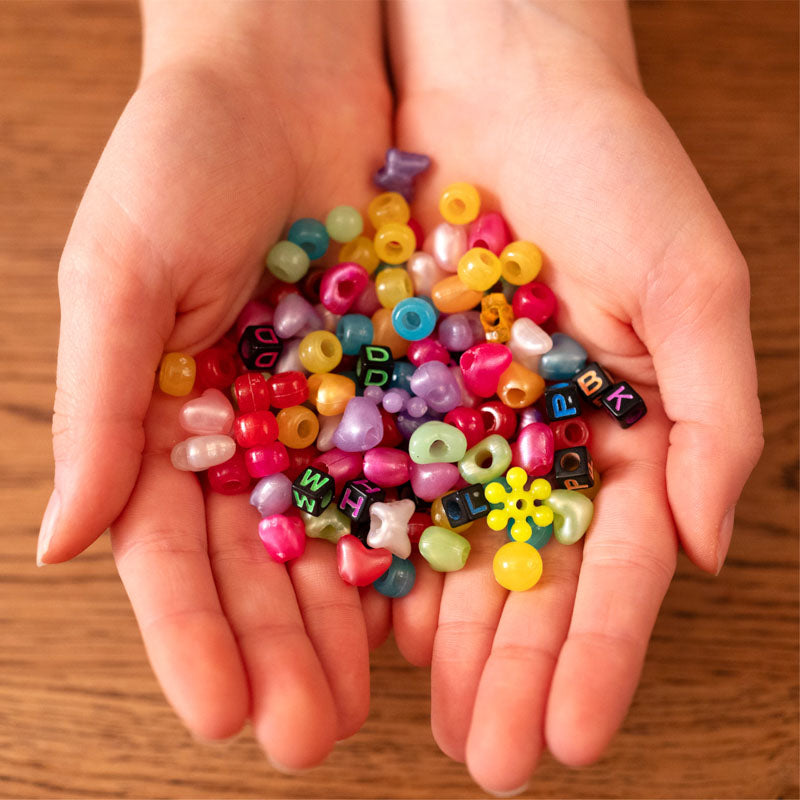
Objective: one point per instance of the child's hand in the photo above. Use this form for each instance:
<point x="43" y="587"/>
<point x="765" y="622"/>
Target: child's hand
<point x="524" y="104"/>
<point x="244" y="120"/>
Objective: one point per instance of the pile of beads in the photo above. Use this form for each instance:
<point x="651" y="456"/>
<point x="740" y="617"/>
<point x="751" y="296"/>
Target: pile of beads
<point x="391" y="400"/>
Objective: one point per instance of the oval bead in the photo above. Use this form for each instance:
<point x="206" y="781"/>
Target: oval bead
<point x="341" y="466"/>
<point x="528" y="342"/>
<point x="489" y="231"/>
<point x="388" y="207"/>
<point x="425" y="350"/>
<point x="470" y="422"/>
<point x="517" y="566"/>
<point x="272" y="495"/>
<point x="564" y="359"/>
<point x="443" y="549"/>
<point x="384" y="334"/>
<point x="201" y="452"/>
<point x="570" y="433"/>
<point x="482" y="366"/>
<point x="255" y="428"/>
<point x="486" y="461"/>
<point x="572" y="514"/>
<point x="212" y="412"/>
<point x="386" y="466"/>
<point x="498" y="418"/>
<point x="536" y="301"/>
<point x="424" y="272"/>
<point x="435" y="441"/>
<point x="287" y="389"/>
<point x="266" y="459"/>
<point x="231" y="476"/>
<point x="533" y="450"/>
<point x="251" y="392"/>
<point x="451" y="296"/>
<point x="393" y="285"/>
<point x="457" y="333"/>
<point x="519" y="387"/>
<point x="398" y="580"/>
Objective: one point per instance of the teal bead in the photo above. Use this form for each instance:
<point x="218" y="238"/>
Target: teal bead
<point x="539" y="537"/>
<point x="444" y="550"/>
<point x="494" y="452"/>
<point x="565" y="359"/>
<point x="353" y="331"/>
<point x="311" y="235"/>
<point x="398" y="580"/>
<point x="401" y="375"/>
<point x="435" y="442"/>
<point x="287" y="261"/>
<point x="573" y="513"/>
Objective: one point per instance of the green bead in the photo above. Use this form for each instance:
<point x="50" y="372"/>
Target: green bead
<point x="444" y="550"/>
<point x="434" y="442"/>
<point x="331" y="524"/>
<point x="494" y="452"/>
<point x="344" y="223"/>
<point x="287" y="262"/>
<point x="573" y="513"/>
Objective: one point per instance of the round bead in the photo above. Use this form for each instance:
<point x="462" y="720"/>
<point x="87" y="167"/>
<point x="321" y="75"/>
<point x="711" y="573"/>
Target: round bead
<point x="311" y="235"/>
<point x="231" y="476"/>
<point x="287" y="389"/>
<point x="435" y="441"/>
<point x="398" y="580"/>
<point x="535" y="301"/>
<point x="517" y="566"/>
<point x="443" y="549"/>
<point x="498" y="418"/>
<point x="489" y="231"/>
<point x="457" y="333"/>
<point x="320" y="351"/>
<point x="354" y="331"/>
<point x="401" y="375"/>
<point x="486" y="461"/>
<point x="216" y="368"/>
<point x="479" y="269"/>
<point x="272" y="495"/>
<point x="266" y="459"/>
<point x="344" y="223"/>
<point x="255" y="428"/>
<point x="394" y="242"/>
<point x="519" y="387"/>
<point x="413" y="318"/>
<point x="388" y="207"/>
<point x="330" y="393"/>
<point x="287" y="261"/>
<point x="299" y="460"/>
<point x="451" y="296"/>
<point x="360" y="251"/>
<point x="201" y="452"/>
<point x="520" y="262"/>
<point x="341" y="285"/>
<point x="384" y="334"/>
<point x="176" y="374"/>
<point x="392" y="286"/>
<point x="564" y="359"/>
<point x="298" y="427"/>
<point x="460" y="203"/>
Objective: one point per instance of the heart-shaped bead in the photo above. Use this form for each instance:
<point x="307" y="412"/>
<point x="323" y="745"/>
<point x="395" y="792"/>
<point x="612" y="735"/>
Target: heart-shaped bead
<point x="528" y="342"/>
<point x="482" y="365"/>
<point x="430" y="481"/>
<point x="573" y="514"/>
<point x="563" y="360"/>
<point x="357" y="564"/>
<point x="212" y="412"/>
<point x="361" y="426"/>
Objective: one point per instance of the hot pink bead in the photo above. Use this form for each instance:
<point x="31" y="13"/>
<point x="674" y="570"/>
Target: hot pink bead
<point x="251" y="391"/>
<point x="212" y="412"/>
<point x="489" y="231"/>
<point x="469" y="421"/>
<point x="425" y="350"/>
<point x="230" y="477"/>
<point x="386" y="466"/>
<point x="255" y="312"/>
<point x="570" y="433"/>
<point x="447" y="243"/>
<point x="424" y="272"/>
<point x="533" y="450"/>
<point x="341" y="285"/>
<point x="266" y="459"/>
<point x="536" y="301"/>
<point x="216" y="368"/>
<point x="482" y="366"/>
<point x="430" y="481"/>
<point x="283" y="536"/>
<point x="367" y="302"/>
<point x="341" y="466"/>
<point x="498" y="418"/>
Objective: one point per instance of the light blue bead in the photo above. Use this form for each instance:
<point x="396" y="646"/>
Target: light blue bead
<point x="401" y="375"/>
<point x="414" y="319"/>
<point x="566" y="359"/>
<point x="311" y="235"/>
<point x="398" y="580"/>
<point x="540" y="536"/>
<point x="353" y="331"/>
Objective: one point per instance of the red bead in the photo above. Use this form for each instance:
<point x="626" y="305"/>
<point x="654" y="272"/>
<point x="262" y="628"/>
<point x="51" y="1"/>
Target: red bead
<point x="391" y="433"/>
<point x="279" y="290"/>
<point x="255" y="428"/>
<point x="358" y="565"/>
<point x="216" y="368"/>
<point x="230" y="477"/>
<point x="283" y="536"/>
<point x="536" y="301"/>
<point x="425" y="350"/>
<point x="489" y="231"/>
<point x="482" y="365"/>
<point x="251" y="392"/>
<point x="470" y="422"/>
<point x="417" y="524"/>
<point x="419" y="236"/>
<point x="498" y="418"/>
<point x="341" y="466"/>
<point x="299" y="459"/>
<point x="266" y="459"/>
<point x="386" y="466"/>
<point x="533" y="450"/>
<point x="288" y="389"/>
<point x="570" y="433"/>
<point x="342" y="285"/>
<point x="311" y="285"/>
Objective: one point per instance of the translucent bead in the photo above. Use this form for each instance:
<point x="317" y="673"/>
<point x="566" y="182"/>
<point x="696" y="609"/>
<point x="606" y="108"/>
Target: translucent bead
<point x="394" y="400"/>
<point x="486" y="461"/>
<point x="424" y="272"/>
<point x="388" y="526"/>
<point x="426" y="350"/>
<point x="320" y="351"/>
<point x="354" y="331"/>
<point x="399" y="171"/>
<point x="341" y="285"/>
<point x="413" y="318"/>
<point x="361" y="427"/>
<point x="287" y="261"/>
<point x="401" y="375"/>
<point x="358" y="565"/>
<point x="392" y="286"/>
<point x="231" y="476"/>
<point x="496" y="317"/>
<point x="451" y="296"/>
<point x="311" y="235"/>
<point x="435" y="441"/>
<point x="330" y="525"/>
<point x="388" y="207"/>
<point x="290" y="358"/>
<point x="201" y="452"/>
<point x="517" y="566"/>
<point x="215" y="368"/>
<point x="367" y="302"/>
<point x="384" y="334"/>
<point x="456" y="333"/>
<point x="430" y="481"/>
<point x="533" y="450"/>
<point x="254" y="428"/>
<point x="572" y="514"/>
<point x="394" y="242"/>
<point x="479" y="269"/>
<point x="209" y="413"/>
<point x="386" y="467"/>
<point x="482" y="366"/>
<point x="443" y="549"/>
<point x="416" y="407"/>
<point x="528" y="342"/>
<point x="266" y="459"/>
<point x="272" y="495"/>
<point x="327" y="427"/>
<point x="298" y="427"/>
<point x="176" y="374"/>
<point x="330" y="393"/>
<point x="360" y="250"/>
<point x="251" y="392"/>
<point x="564" y="359"/>
<point x="519" y="387"/>
<point x="447" y="243"/>
<point x="344" y="223"/>
<point x="460" y="203"/>
<point x="398" y="580"/>
<point x="535" y="301"/>
<point x="489" y="231"/>
<point x="283" y="537"/>
<point x="287" y="389"/>
<point x="539" y="537"/>
<point x="569" y="433"/>
<point x="295" y="316"/>
<point x="436" y="386"/>
<point x="469" y="421"/>
<point x="520" y="262"/>
<point x="498" y="418"/>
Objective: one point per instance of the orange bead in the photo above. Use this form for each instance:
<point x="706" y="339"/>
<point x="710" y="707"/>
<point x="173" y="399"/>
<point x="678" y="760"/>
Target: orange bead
<point x="176" y="375"/>
<point x="385" y="335"/>
<point x="451" y="296"/>
<point x="519" y="387"/>
<point x="330" y="393"/>
<point x="497" y="317"/>
<point x="298" y="427"/>
<point x="440" y="518"/>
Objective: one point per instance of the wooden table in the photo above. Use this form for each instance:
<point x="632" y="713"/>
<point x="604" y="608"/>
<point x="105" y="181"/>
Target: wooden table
<point x="80" y="713"/>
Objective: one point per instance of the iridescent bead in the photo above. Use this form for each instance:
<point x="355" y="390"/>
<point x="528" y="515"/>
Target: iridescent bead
<point x="344" y="223"/>
<point x="272" y="495"/>
<point x="413" y="318"/>
<point x="330" y="525"/>
<point x="341" y="285"/>
<point x="470" y="422"/>
<point x="298" y="427"/>
<point x="392" y="286"/>
<point x="535" y="301"/>
<point x="290" y="358"/>
<point x="329" y="319"/>
<point x="460" y="203"/>
<point x="373" y="393"/>
<point x="528" y="342"/>
<point x="266" y="459"/>
<point x="434" y="383"/>
<point x="456" y="333"/>
<point x="283" y="537"/>
<point x="447" y="243"/>
<point x="490" y="231"/>
<point x="443" y="549"/>
<point x="482" y="366"/>
<point x="361" y="427"/>
<point x="358" y="565"/>
<point x="395" y="400"/>
<point x="176" y="374"/>
<point x="254" y="428"/>
<point x="231" y="476"/>
<point x="353" y="331"/>
<point x="394" y="242"/>
<point x="399" y="171"/>
<point x="295" y="316"/>
<point x="424" y="272"/>
<point x="251" y="392"/>
<point x="255" y="312"/>
<point x="215" y="368"/>
<point x="320" y="351"/>
<point x="367" y="302"/>
<point x="533" y="450"/>
<point x="517" y="566"/>
<point x="201" y="452"/>
<point x="311" y="235"/>
<point x="360" y="250"/>
<point x="386" y="467"/>
<point x="486" y="461"/>
<point x="388" y="526"/>
<point x="430" y="481"/>
<point x="287" y="389"/>
<point x="496" y="317"/>
<point x="330" y="393"/>
<point x="498" y="418"/>
<point x="398" y="580"/>
<point x="435" y="441"/>
<point x="425" y="350"/>
<point x="519" y="387"/>
<point x="451" y="296"/>
<point x="327" y="428"/>
<point x="388" y="207"/>
<point x="520" y="262"/>
<point x="572" y="514"/>
<point x="287" y="262"/>
<point x="479" y="269"/>
<point x="566" y="358"/>
<point x="384" y="334"/>
<point x="209" y="413"/>
<point x="416" y="407"/>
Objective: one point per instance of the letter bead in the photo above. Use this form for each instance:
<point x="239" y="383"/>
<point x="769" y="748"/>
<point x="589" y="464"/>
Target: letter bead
<point x="465" y="505"/>
<point x="259" y="347"/>
<point x="561" y="401"/>
<point x="573" y="468"/>
<point x="593" y="381"/>
<point x="624" y="403"/>
<point x="356" y="498"/>
<point x="374" y="366"/>
<point x="313" y="491"/>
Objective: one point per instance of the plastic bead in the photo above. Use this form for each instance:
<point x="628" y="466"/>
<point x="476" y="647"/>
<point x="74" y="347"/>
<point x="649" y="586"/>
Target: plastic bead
<point x="373" y="393"/>
<point x="361" y="427"/>
<point x="498" y="418"/>
<point x="419" y="235"/>
<point x="201" y="452"/>
<point x="311" y="235"/>
<point x="468" y="399"/>
<point x="460" y="203"/>
<point x="330" y="393"/>
<point x="434" y="383"/>
<point x="327" y="427"/>
<point x="251" y="392"/>
<point x="215" y="368"/>
<point x="593" y="381"/>
<point x="399" y="171"/>
<point x="374" y="366"/>
<point x="496" y="317"/>
<point x="570" y="433"/>
<point x="398" y="580"/>
<point x="353" y="331"/>
<point x="430" y="481"/>
<point x="416" y="407"/>
<point x="298" y="427"/>
<point x="394" y="242"/>
<point x="451" y="296"/>
<point x="290" y="358"/>
<point x="482" y="366"/>
<point x="255" y="428"/>
<point x="443" y="549"/>
<point x="520" y="262"/>
<point x="295" y="316"/>
<point x="272" y="495"/>
<point x="254" y="312"/>
<point x="367" y="302"/>
<point x="624" y="404"/>
<point x="259" y="347"/>
<point x="530" y="415"/>
<point x="341" y="285"/>
<point x="479" y="269"/>
<point x="312" y="491"/>
<point x="385" y="335"/>
<point x="516" y="503"/>
<point x="391" y="435"/>
<point x="176" y="374"/>
<point x="388" y="526"/>
<point x="358" y="565"/>
<point x="425" y="350"/>
<point x="447" y="243"/>
<point x="360" y="250"/>
<point x="519" y="387"/>
<point x="528" y="343"/>
<point x="414" y="319"/>
<point x="489" y="231"/>
<point x="486" y="461"/>
<point x="539" y="536"/>
<point x="561" y="400"/>
<point x="299" y="459"/>
<point x="287" y="262"/>
<point x="535" y="301"/>
<point x="457" y="334"/>
<point x="573" y="468"/>
<point x="517" y="566"/>
<point x="341" y="466"/>
<point x="266" y="459"/>
<point x="564" y="359"/>
<point x="320" y="351"/>
<point x="424" y="272"/>
<point x="278" y="290"/>
<point x="434" y="441"/>
<point x="343" y="224"/>
<point x="469" y="421"/>
<point x="356" y="498"/>
<point x="287" y="389"/>
<point x="386" y="467"/>
<point x="572" y="515"/>
<point x="209" y="413"/>
<point x="312" y="284"/>
<point x="401" y="375"/>
<point x="392" y="286"/>
<point x="231" y="476"/>
<point x="440" y="519"/>
<point x="330" y="525"/>
<point x="283" y="537"/>
<point x="533" y="450"/>
<point x="395" y="400"/>
<point x="328" y="318"/>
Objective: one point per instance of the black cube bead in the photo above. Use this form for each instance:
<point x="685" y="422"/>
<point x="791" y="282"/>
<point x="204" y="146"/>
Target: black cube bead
<point x="562" y="401"/>
<point x="259" y="347"/>
<point x="465" y="505"/>
<point x="356" y="498"/>
<point x="592" y="381"/>
<point x="624" y="404"/>
<point x="312" y="491"/>
<point x="374" y="367"/>
<point x="573" y="468"/>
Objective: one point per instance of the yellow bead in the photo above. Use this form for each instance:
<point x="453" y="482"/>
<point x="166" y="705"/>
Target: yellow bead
<point x="497" y="317"/>
<point x="320" y="351"/>
<point x="440" y="518"/>
<point x="298" y="427"/>
<point x="451" y="296"/>
<point x="393" y="285"/>
<point x="330" y="393"/>
<point x="460" y="203"/>
<point x="176" y="375"/>
<point x="519" y="387"/>
<point x="384" y="333"/>
<point x="360" y="250"/>
<point x="394" y="243"/>
<point x="479" y="269"/>
<point x="520" y="262"/>
<point x="388" y="207"/>
<point x="517" y="566"/>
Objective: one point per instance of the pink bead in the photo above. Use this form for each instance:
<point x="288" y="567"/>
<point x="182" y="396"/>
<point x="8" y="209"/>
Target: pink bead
<point x="266" y="459"/>
<point x="533" y="450"/>
<point x="341" y="285"/>
<point x="424" y="272"/>
<point x="419" y="236"/>
<point x="469" y="421"/>
<point x="341" y="466"/>
<point x="255" y="312"/>
<point x="482" y="366"/>
<point x="447" y="243"/>
<point x="489" y="231"/>
<point x="230" y="477"/>
<point x="386" y="466"/>
<point x="212" y="412"/>
<point x="367" y="302"/>
<point x="425" y="350"/>
<point x="536" y="301"/>
<point x="430" y="481"/>
<point x="468" y="399"/>
<point x="283" y="536"/>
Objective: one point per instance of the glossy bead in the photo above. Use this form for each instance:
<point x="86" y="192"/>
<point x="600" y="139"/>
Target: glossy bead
<point x="373" y="393"/>
<point x="393" y="285"/>
<point x="254" y="312"/>
<point x="176" y="374"/>
<point x="482" y="366"/>
<point x="413" y="318"/>
<point x="287" y="389"/>
<point x="519" y="387"/>
<point x="259" y="347"/>
<point x="451" y="296"/>
<point x="447" y="243"/>
<point x="528" y="343"/>
<point x="299" y="459"/>
<point x="295" y="316"/>
<point x="399" y="171"/>
<point x="425" y="350"/>
<point x="533" y="450"/>
<point x="465" y="505"/>
<point x="367" y="302"/>
<point x="360" y="250"/>
<point x="434" y="383"/>
<point x="311" y="235"/>
<point x="479" y="269"/>
<point x="498" y="418"/>
<point x="231" y="476"/>
<point x="287" y="262"/>
<point x="361" y="427"/>
<point x="215" y="368"/>
<point x="344" y="223"/>
<point x="395" y="400"/>
<point x="564" y="359"/>
<point x="572" y="515"/>
<point x="327" y="427"/>
<point x="298" y="427"/>
<point x="330" y="393"/>
<point x="341" y="466"/>
<point x="416" y="407"/>
<point x="356" y="498"/>
<point x="486" y="461"/>
<point x="391" y="435"/>
<point x="359" y="565"/>
<point x="388" y="526"/>
<point x="401" y="375"/>
<point x="388" y="207"/>
<point x="489" y="231"/>
<point x="394" y="243"/>
<point x="430" y="481"/>
<point x="539" y="537"/>
<point x="529" y="415"/>
<point x="385" y="335"/>
<point x="469" y="421"/>
<point x="535" y="301"/>
<point x="251" y="392"/>
<point x="272" y="495"/>
<point x="496" y="317"/>
<point x="518" y="504"/>
<point x="290" y="358"/>
<point x="424" y="272"/>
<point x="517" y="566"/>
<point x="312" y="284"/>
<point x="312" y="491"/>
<point x="201" y="452"/>
<point x="209" y="413"/>
<point x="419" y="234"/>
<point x="443" y="549"/>
<point x="320" y="351"/>
<point x="573" y="468"/>
<point x="330" y="525"/>
<point x="520" y="262"/>
<point x="375" y="366"/>
<point x="278" y="290"/>
<point x="341" y="285"/>
<point x="435" y="441"/>
<point x="398" y="580"/>
<point x="386" y="467"/>
<point x="592" y="382"/>
<point x="266" y="459"/>
<point x="456" y="333"/>
<point x="353" y="331"/>
<point x="283" y="536"/>
<point x="460" y="203"/>
<point x="570" y="433"/>
<point x="624" y="404"/>
<point x="468" y="399"/>
<point x="255" y="428"/>
<point x="561" y="401"/>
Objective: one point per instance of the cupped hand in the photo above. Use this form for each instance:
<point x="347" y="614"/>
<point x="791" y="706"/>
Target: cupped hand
<point x="554" y="129"/>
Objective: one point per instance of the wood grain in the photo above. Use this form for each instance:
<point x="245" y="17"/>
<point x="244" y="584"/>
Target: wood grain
<point x="716" y="714"/>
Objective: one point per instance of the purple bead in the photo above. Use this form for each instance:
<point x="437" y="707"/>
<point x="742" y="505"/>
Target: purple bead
<point x="435" y="384"/>
<point x="374" y="393"/>
<point x="430" y="481"/>
<point x="530" y="415"/>
<point x="407" y="424"/>
<point x="295" y="316"/>
<point x="457" y="333"/>
<point x="394" y="400"/>
<point x="398" y="172"/>
<point x="361" y="427"/>
<point x="416" y="407"/>
<point x="272" y="495"/>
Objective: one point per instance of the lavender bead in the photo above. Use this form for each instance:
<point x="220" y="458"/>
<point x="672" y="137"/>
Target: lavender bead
<point x="373" y="393"/>
<point x="295" y="316"/>
<point x="457" y="333"/>
<point x="395" y="400"/>
<point x="468" y="399"/>
<point x="416" y="407"/>
<point x="407" y="424"/>
<point x="435" y="384"/>
<point x="272" y="495"/>
<point x="361" y="427"/>
<point x="398" y="172"/>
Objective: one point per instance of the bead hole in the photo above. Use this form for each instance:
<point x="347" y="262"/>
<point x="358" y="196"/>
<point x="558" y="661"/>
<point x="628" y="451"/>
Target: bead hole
<point x="413" y="319"/>
<point x="231" y="484"/>
<point x="481" y="243"/>
<point x="327" y="348"/>
<point x="484" y="459"/>
<point x="438" y="449"/>
<point x="457" y="206"/>
<point x="394" y="247"/>
<point x="308" y="247"/>
<point x="570" y="462"/>
<point x="573" y="433"/>
<point x="486" y="258"/>
<point x="515" y="396"/>
<point x="304" y="428"/>
<point x="346" y="288"/>
<point x="513" y="269"/>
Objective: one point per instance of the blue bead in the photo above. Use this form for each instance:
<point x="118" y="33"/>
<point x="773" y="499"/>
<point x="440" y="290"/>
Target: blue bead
<point x="311" y="235"/>
<point x="540" y="536"/>
<point x="353" y="331"/>
<point x="398" y="580"/>
<point x="414" y="319"/>
<point x="401" y="375"/>
<point x="566" y="359"/>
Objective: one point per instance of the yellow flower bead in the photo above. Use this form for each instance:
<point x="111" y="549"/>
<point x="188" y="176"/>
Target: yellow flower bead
<point x="176" y="375"/>
<point x="384" y="334"/>
<point x="394" y="243"/>
<point x="520" y="262"/>
<point x="479" y="269"/>
<point x="320" y="351"/>
<point x="388" y="207"/>
<point x="460" y="203"/>
<point x="517" y="566"/>
<point x="360" y="250"/>
<point x="451" y="296"/>
<point x="440" y="518"/>
<point x="298" y="427"/>
<point x="393" y="285"/>
<point x="330" y="393"/>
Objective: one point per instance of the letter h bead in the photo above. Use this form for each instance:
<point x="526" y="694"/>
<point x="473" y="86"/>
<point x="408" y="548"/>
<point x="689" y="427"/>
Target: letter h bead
<point x="357" y="497"/>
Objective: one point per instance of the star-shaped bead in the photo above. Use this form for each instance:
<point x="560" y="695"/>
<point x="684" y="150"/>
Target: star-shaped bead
<point x="517" y="504"/>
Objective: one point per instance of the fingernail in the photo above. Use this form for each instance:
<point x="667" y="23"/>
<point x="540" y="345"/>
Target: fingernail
<point x="512" y="793"/>
<point x="286" y="770"/>
<point x="48" y="527"/>
<point x="221" y="743"/>
<point x="724" y="537"/>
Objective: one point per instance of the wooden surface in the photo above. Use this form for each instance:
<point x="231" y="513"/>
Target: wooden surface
<point x="716" y="714"/>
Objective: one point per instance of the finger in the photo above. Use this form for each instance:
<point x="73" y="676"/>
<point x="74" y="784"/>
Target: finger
<point x="506" y="735"/>
<point x="377" y="611"/>
<point x="293" y="713"/>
